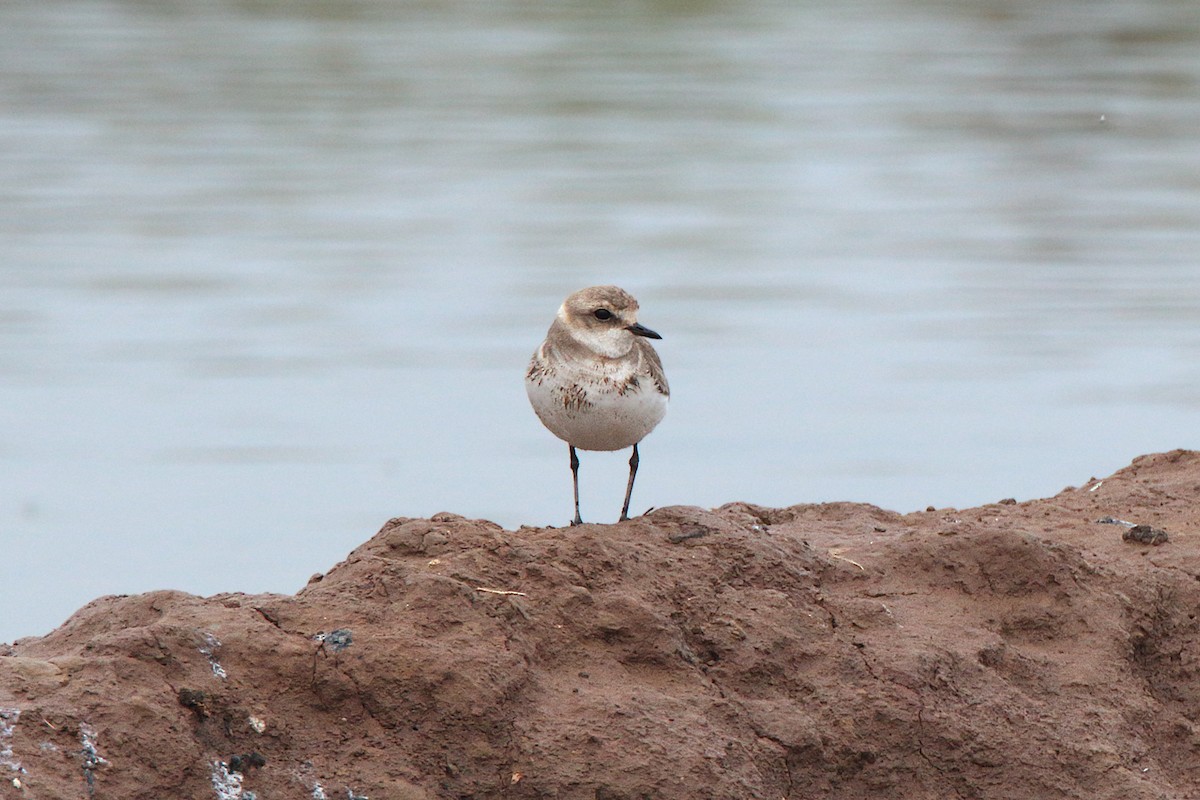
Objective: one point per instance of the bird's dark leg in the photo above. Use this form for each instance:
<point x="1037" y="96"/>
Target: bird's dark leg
<point x="633" y="465"/>
<point x="575" y="481"/>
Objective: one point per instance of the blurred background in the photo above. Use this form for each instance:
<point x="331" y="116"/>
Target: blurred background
<point x="270" y="272"/>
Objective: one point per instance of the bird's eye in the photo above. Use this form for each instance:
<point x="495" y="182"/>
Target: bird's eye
<point x="602" y="313"/>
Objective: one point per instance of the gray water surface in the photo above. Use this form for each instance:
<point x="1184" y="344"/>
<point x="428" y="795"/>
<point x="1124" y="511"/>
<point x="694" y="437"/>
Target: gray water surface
<point x="270" y="272"/>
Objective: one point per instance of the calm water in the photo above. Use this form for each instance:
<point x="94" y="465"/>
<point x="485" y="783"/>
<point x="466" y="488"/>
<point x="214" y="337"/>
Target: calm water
<point x="270" y="272"/>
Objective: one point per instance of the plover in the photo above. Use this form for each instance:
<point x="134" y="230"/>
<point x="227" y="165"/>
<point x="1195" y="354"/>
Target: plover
<point x="596" y="382"/>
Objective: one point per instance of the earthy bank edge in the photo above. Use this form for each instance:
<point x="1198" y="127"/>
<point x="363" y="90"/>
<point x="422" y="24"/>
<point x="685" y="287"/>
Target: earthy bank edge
<point x="836" y="651"/>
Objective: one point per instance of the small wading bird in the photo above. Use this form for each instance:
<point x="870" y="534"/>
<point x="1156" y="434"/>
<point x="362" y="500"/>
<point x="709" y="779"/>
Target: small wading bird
<point x="596" y="382"/>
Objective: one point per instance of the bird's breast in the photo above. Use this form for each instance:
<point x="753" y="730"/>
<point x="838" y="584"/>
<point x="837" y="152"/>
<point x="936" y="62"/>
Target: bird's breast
<point x="600" y="412"/>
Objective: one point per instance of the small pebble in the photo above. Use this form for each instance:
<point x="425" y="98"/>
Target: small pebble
<point x="1145" y="534"/>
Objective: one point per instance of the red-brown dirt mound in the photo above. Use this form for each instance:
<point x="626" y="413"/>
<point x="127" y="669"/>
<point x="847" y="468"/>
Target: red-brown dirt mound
<point x="819" y="651"/>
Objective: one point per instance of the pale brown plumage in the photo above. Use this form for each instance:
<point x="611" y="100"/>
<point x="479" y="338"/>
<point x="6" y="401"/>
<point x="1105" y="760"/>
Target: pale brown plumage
<point x="596" y="382"/>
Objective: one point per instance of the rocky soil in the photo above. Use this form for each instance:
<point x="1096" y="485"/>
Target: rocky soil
<point x="1016" y="650"/>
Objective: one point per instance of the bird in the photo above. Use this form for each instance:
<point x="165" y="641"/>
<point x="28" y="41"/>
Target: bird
<point x="596" y="382"/>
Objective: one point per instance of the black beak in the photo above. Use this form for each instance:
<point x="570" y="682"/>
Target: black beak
<point x="638" y="329"/>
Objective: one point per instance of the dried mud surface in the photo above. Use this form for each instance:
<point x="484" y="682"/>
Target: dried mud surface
<point x="1014" y="650"/>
